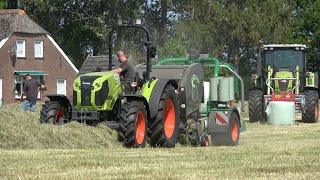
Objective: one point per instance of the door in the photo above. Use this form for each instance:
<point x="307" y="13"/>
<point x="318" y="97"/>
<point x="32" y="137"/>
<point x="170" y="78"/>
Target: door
<point x="62" y="86"/>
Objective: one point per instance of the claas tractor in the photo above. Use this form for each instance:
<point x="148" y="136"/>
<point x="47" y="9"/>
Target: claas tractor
<point x="282" y="76"/>
<point x="150" y="108"/>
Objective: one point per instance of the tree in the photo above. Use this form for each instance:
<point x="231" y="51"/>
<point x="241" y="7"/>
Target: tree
<point x="214" y="26"/>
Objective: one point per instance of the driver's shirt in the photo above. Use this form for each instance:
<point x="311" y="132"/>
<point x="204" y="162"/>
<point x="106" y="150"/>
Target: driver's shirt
<point x="127" y="73"/>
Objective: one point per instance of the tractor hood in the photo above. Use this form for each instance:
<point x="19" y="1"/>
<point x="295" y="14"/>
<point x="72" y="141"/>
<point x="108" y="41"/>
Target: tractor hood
<point x="96" y="90"/>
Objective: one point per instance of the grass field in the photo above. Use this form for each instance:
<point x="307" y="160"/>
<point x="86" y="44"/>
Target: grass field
<point x="33" y="151"/>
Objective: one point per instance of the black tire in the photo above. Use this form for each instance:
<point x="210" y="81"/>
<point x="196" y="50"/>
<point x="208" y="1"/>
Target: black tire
<point x="160" y="132"/>
<point x="133" y="125"/>
<point x="52" y="113"/>
<point x="230" y="138"/>
<point x="256" y="106"/>
<point x="204" y="142"/>
<point x="312" y="107"/>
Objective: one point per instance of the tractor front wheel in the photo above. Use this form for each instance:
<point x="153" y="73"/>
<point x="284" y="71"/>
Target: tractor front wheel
<point x="163" y="131"/>
<point x="133" y="125"/>
<point x="52" y="113"/>
<point x="256" y="106"/>
<point x="312" y="107"/>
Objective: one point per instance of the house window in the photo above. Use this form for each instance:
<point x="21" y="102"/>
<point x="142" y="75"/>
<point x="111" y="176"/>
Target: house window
<point x="38" y="49"/>
<point x="62" y="86"/>
<point x="19" y="82"/>
<point x="21" y="48"/>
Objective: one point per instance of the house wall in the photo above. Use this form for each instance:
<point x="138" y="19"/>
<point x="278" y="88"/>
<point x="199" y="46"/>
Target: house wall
<point x="52" y="63"/>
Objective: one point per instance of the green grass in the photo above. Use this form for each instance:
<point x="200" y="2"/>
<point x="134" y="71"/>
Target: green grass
<point x="264" y="152"/>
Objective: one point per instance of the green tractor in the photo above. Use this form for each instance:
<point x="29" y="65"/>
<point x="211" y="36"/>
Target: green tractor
<point x="282" y="76"/>
<point x="151" y="108"/>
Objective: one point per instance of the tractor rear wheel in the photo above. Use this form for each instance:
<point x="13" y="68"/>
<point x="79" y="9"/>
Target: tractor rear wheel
<point x="52" y="113"/>
<point x="163" y="131"/>
<point x="231" y="137"/>
<point x="256" y="106"/>
<point x="312" y="107"/>
<point x="133" y="125"/>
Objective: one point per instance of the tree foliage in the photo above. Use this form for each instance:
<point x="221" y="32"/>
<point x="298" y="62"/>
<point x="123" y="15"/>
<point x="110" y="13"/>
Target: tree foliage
<point x="227" y="29"/>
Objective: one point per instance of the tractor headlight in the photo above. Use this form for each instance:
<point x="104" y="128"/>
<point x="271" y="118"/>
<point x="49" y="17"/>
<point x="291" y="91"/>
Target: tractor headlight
<point x="76" y="84"/>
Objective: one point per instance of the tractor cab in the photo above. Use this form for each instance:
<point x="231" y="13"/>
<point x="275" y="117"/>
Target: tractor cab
<point x="284" y="62"/>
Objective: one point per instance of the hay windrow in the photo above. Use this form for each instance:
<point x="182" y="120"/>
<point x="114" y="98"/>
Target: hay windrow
<point x="22" y="130"/>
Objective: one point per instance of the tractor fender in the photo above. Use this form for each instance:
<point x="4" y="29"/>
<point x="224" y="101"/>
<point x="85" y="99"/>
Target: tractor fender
<point x="156" y="94"/>
<point x="137" y="97"/>
<point x="63" y="101"/>
<point x="235" y="110"/>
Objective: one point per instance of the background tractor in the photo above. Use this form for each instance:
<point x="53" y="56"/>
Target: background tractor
<point x="282" y="76"/>
<point x="150" y="109"/>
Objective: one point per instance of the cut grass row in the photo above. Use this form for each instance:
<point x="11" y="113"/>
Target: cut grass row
<point x="83" y="152"/>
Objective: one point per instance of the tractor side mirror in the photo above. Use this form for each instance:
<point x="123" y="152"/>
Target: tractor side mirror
<point x="153" y="51"/>
<point x="315" y="54"/>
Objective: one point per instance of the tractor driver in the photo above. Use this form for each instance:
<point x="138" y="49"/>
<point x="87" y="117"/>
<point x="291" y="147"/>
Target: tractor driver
<point x="125" y="70"/>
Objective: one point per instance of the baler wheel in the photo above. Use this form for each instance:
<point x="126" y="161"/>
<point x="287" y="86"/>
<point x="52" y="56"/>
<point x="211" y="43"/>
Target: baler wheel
<point x="204" y="141"/>
<point x="52" y="113"/>
<point x="231" y="137"/>
<point x="256" y="106"/>
<point x="312" y="107"/>
<point x="163" y="131"/>
<point x="133" y="125"/>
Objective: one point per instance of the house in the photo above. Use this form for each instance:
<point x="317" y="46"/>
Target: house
<point x="26" y="48"/>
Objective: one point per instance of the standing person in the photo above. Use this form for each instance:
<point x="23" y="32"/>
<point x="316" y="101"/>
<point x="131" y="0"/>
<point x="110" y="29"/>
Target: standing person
<point x="30" y="89"/>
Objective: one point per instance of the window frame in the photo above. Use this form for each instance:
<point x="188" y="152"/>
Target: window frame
<point x="41" y="49"/>
<point x="23" y="54"/>
<point x="65" y="85"/>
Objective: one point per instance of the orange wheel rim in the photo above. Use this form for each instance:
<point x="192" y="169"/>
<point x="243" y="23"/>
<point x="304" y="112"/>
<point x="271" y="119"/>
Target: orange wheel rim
<point x="235" y="130"/>
<point x="206" y="142"/>
<point x="169" y="118"/>
<point x="140" y="127"/>
<point x="59" y="116"/>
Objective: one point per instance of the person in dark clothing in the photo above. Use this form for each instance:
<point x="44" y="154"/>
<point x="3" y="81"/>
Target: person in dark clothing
<point x="30" y="89"/>
<point x="125" y="70"/>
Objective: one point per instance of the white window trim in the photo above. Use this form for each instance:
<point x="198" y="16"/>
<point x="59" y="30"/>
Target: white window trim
<point x="41" y="51"/>
<point x="21" y="80"/>
<point x="65" y="85"/>
<point x="23" y="54"/>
